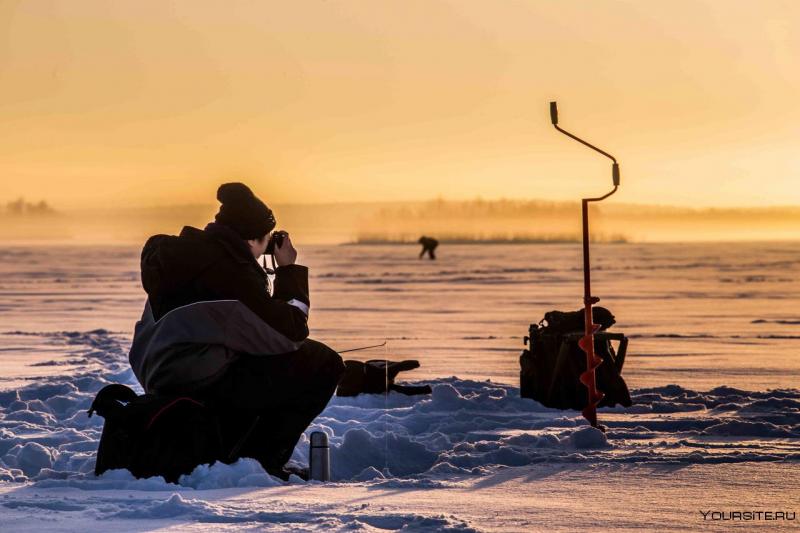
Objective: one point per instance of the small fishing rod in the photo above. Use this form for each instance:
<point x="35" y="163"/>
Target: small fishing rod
<point x="363" y="348"/>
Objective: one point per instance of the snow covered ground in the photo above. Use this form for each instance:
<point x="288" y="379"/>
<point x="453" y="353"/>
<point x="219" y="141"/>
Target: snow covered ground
<point x="718" y="321"/>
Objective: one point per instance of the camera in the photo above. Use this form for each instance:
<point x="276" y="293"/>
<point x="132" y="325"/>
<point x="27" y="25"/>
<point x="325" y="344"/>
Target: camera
<point x="276" y="239"/>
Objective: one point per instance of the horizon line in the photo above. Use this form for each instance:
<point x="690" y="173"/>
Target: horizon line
<point x="59" y="210"/>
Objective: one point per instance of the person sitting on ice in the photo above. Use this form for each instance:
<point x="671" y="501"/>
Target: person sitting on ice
<point x="212" y="331"/>
<point x="429" y="245"/>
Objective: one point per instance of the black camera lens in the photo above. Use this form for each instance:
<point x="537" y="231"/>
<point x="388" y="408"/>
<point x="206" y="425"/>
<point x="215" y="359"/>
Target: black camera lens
<point x="275" y="240"/>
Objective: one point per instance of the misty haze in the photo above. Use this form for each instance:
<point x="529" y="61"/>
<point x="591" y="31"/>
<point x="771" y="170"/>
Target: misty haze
<point x="480" y="221"/>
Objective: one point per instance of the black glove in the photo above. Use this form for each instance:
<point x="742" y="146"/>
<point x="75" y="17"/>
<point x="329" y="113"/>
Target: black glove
<point x="377" y="377"/>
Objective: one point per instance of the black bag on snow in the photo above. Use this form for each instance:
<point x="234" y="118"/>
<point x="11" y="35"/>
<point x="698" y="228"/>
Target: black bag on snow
<point x="552" y="365"/>
<point x="377" y="376"/>
<point x="155" y="435"/>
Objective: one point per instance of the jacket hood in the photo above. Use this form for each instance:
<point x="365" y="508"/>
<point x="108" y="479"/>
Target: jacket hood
<point x="169" y="262"/>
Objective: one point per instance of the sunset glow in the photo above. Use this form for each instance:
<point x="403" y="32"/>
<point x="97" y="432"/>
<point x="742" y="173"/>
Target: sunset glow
<point x="155" y="103"/>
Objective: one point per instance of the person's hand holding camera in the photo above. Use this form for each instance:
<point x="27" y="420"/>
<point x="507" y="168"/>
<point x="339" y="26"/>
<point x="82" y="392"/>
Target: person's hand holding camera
<point x="285" y="254"/>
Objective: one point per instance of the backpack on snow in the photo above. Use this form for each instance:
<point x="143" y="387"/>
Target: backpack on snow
<point x="552" y="364"/>
<point x="155" y="435"/>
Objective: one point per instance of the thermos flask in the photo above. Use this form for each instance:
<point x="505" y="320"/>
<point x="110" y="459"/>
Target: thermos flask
<point x="319" y="458"/>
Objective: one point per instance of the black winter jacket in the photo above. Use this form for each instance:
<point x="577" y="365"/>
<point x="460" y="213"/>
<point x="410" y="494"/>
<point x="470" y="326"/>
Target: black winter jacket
<point x="207" y="302"/>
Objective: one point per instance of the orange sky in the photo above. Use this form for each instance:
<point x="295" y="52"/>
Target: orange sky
<point x="156" y="102"/>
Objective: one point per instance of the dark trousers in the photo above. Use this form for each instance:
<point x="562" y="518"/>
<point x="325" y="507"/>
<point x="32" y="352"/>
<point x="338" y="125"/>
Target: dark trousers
<point x="429" y="250"/>
<point x="269" y="401"/>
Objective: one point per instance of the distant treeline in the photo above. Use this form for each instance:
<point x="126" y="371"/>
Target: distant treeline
<point x="543" y="221"/>
<point x="479" y="209"/>
<point x="494" y="239"/>
<point x="481" y="221"/>
<point x="20" y="207"/>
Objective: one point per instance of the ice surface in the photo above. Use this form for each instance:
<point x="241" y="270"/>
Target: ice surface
<point x="713" y="377"/>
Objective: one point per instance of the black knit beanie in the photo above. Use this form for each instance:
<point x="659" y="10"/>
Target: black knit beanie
<point x="243" y="212"/>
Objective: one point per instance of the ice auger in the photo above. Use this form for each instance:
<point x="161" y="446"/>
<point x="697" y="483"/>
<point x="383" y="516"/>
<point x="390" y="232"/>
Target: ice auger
<point x="587" y="341"/>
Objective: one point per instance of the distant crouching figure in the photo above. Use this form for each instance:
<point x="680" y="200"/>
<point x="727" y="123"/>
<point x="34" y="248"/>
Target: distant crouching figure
<point x="429" y="245"/>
